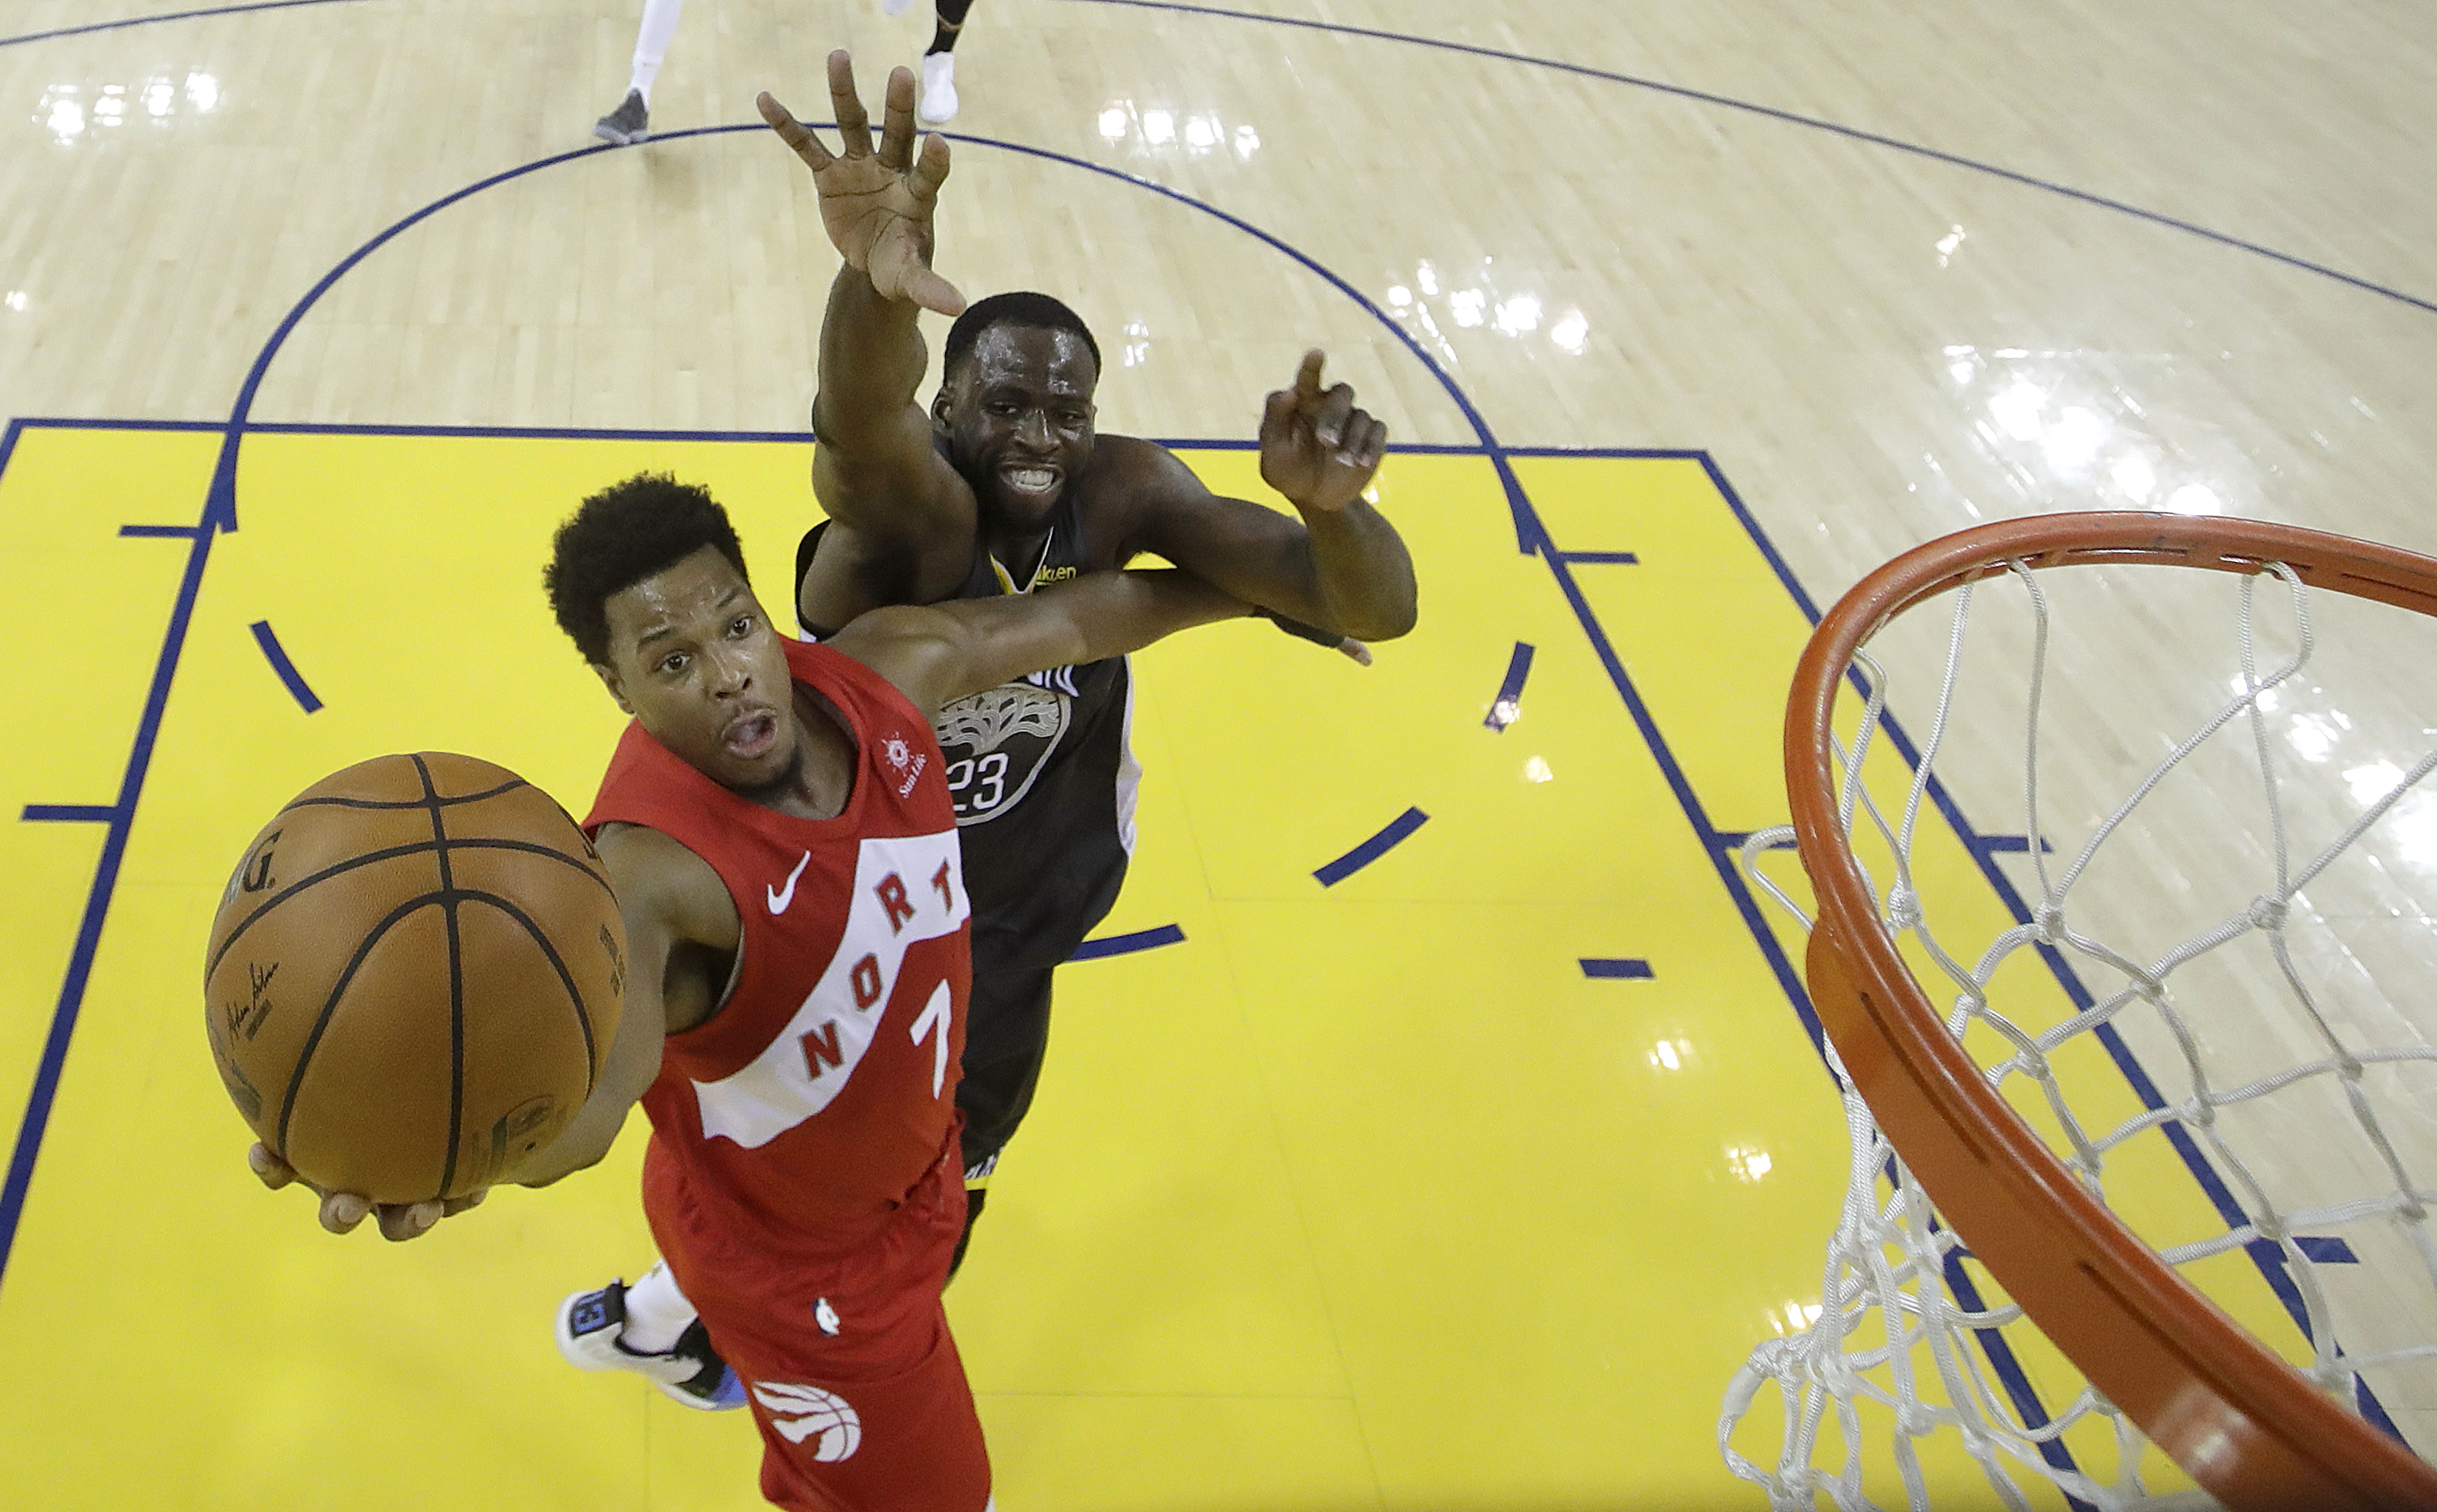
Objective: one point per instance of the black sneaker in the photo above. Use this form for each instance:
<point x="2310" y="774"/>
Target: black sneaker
<point x="588" y="1326"/>
<point x="630" y="123"/>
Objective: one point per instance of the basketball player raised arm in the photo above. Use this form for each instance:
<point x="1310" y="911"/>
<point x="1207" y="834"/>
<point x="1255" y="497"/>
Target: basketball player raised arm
<point x="1008" y="440"/>
<point x="692" y="655"/>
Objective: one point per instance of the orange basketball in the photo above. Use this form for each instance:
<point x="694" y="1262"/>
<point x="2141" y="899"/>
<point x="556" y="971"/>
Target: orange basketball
<point x="414" y="977"/>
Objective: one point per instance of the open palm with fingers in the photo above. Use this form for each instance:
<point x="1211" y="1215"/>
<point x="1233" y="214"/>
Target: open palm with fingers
<point x="876" y="205"/>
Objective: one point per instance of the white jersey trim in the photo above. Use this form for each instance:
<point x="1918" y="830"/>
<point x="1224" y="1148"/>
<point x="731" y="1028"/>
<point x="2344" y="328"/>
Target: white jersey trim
<point x="1128" y="770"/>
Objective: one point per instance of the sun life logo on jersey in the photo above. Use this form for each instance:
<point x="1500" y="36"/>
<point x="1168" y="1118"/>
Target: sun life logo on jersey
<point x="902" y="757"/>
<point x="799" y="1413"/>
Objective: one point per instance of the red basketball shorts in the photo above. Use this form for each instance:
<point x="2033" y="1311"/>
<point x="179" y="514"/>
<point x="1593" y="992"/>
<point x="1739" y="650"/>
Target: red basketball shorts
<point x="851" y="1372"/>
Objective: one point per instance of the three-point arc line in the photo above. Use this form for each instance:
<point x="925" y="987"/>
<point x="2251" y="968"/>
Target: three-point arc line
<point x="286" y="669"/>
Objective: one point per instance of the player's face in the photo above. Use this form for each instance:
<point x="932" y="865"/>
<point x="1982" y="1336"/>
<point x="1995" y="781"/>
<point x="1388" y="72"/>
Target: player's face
<point x="1018" y="418"/>
<point x="692" y="658"/>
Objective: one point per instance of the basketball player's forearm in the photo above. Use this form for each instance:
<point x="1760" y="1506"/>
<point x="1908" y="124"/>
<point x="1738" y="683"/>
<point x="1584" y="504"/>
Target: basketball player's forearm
<point x="584" y="1142"/>
<point x="633" y="1058"/>
<point x="1345" y="572"/>
<point x="1361" y="573"/>
<point x="938" y="653"/>
<point x="983" y="642"/>
<point x="565" y="1155"/>
<point x="1109" y="614"/>
<point x="872" y="362"/>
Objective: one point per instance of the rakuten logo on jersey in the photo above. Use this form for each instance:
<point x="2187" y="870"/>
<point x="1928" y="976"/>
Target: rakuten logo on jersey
<point x="906" y="889"/>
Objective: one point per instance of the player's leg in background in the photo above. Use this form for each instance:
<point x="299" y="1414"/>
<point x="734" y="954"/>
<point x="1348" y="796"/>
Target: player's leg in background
<point x="1006" y="1036"/>
<point x="976" y="1193"/>
<point x="938" y="102"/>
<point x="631" y="122"/>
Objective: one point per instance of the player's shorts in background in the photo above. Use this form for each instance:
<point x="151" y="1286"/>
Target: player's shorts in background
<point x="1007" y="1038"/>
<point x="847" y="1360"/>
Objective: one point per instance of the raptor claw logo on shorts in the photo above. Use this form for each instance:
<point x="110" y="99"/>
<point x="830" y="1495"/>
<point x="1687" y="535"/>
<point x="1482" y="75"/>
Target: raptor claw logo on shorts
<point x="996" y="741"/>
<point x="799" y="1413"/>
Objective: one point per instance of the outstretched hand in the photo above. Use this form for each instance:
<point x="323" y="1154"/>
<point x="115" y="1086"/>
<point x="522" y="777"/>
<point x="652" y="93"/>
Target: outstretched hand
<point x="1316" y="448"/>
<point x="876" y="206"/>
<point x="342" y="1211"/>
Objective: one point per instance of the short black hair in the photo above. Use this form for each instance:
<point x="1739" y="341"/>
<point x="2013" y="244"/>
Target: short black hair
<point x="621" y="535"/>
<point x="1017" y="307"/>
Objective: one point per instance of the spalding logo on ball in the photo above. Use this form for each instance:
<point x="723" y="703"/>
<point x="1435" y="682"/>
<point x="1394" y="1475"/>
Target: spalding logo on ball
<point x="414" y="977"/>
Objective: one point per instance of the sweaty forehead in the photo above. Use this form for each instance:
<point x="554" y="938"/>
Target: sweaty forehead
<point x="696" y="587"/>
<point x="1033" y="357"/>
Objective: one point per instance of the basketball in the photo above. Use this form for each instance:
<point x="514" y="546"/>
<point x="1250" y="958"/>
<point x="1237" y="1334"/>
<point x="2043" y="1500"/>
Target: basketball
<point x="414" y="977"/>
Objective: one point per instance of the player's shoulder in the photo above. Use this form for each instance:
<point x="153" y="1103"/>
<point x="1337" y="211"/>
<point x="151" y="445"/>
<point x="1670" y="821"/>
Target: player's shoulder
<point x="658" y="877"/>
<point x="1134" y="460"/>
<point x="1132" y="480"/>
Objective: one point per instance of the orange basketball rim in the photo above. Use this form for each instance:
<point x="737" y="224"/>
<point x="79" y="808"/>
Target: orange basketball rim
<point x="2250" y="1429"/>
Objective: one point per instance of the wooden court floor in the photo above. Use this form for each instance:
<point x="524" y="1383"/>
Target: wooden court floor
<point x="1437" y="1128"/>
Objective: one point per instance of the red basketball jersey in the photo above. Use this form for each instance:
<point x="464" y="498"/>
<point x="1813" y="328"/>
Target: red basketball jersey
<point x="808" y="1107"/>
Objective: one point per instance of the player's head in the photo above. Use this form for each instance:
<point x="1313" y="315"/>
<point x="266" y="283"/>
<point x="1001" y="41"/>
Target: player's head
<point x="1015" y="403"/>
<point x="648" y="579"/>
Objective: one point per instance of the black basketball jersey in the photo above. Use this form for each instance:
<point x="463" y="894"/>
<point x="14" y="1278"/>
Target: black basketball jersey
<point x="1042" y="774"/>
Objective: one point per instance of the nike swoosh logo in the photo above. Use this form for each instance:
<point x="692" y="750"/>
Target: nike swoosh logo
<point x="778" y="899"/>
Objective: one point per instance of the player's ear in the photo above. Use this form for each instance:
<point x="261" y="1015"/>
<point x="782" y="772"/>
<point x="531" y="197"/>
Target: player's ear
<point x="608" y="677"/>
<point x="940" y="408"/>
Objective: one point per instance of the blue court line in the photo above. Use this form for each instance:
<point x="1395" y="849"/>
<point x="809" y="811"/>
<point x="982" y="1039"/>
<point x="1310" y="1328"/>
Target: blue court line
<point x="1506" y="706"/>
<point x="2326" y="1251"/>
<point x="175" y="15"/>
<point x="68" y="814"/>
<point x="1600" y="558"/>
<point x="1398" y="830"/>
<point x="181" y="532"/>
<point x="277" y="656"/>
<point x="494" y="432"/>
<point x="1788" y="117"/>
<point x="2010" y="844"/>
<point x="1127" y="944"/>
<point x="1625" y="968"/>
<point x="552" y="432"/>
<point x="2003" y="1363"/>
<point x="119" y="818"/>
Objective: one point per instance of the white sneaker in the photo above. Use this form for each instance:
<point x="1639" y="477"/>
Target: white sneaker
<point x="895" y="7"/>
<point x="938" y="105"/>
<point x="588" y="1326"/>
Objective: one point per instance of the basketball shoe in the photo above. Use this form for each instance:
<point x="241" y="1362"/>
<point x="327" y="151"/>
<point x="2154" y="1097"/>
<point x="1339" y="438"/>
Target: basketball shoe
<point x="895" y="7"/>
<point x="938" y="105"/>
<point x="630" y="123"/>
<point x="689" y="1372"/>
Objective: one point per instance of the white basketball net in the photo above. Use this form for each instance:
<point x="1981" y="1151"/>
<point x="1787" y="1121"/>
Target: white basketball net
<point x="1907" y="1370"/>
